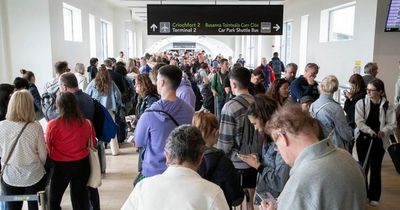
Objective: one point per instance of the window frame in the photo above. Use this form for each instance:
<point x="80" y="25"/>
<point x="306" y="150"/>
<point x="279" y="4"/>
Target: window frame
<point x="73" y="32"/>
<point x="326" y="20"/>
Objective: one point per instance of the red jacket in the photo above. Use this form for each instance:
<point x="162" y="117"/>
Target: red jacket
<point x="69" y="142"/>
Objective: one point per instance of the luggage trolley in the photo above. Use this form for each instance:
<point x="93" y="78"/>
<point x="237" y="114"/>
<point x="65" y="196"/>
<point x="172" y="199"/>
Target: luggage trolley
<point x="40" y="197"/>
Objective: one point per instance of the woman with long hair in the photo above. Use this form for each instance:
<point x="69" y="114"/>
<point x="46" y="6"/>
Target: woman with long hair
<point x="133" y="71"/>
<point x="279" y="91"/>
<point x="67" y="139"/>
<point x="30" y="77"/>
<point x="24" y="172"/>
<point x="215" y="166"/>
<point x="376" y="120"/>
<point x="147" y="93"/>
<point x="104" y="90"/>
<point x="358" y="90"/>
<point x="273" y="172"/>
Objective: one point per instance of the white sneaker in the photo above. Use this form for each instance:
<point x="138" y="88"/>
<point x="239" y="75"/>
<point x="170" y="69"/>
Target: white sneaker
<point x="374" y="203"/>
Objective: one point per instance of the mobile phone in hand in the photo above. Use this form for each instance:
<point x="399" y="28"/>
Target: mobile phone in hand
<point x="267" y="197"/>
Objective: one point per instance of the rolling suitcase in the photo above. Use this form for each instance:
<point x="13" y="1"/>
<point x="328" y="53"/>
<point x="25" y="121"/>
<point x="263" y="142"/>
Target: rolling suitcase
<point x="394" y="152"/>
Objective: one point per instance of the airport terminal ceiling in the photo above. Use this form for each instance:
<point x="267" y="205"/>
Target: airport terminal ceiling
<point x="139" y="7"/>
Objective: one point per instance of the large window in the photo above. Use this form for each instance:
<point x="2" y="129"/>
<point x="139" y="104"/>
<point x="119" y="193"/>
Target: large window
<point x="337" y="23"/>
<point x="250" y="52"/>
<point x="286" y="42"/>
<point x="92" y="35"/>
<point x="72" y="23"/>
<point x="106" y="39"/>
<point x="129" y="37"/>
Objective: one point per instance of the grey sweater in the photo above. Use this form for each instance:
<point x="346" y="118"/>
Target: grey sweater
<point x="324" y="177"/>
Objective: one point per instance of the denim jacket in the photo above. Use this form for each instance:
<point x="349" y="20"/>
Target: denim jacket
<point x="111" y="101"/>
<point x="274" y="172"/>
<point x="331" y="117"/>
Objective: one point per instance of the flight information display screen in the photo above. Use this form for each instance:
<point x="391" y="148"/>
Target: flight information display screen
<point x="393" y="18"/>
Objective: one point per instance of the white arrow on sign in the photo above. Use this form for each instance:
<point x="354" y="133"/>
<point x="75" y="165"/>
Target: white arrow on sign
<point x="276" y="27"/>
<point x="153" y="27"/>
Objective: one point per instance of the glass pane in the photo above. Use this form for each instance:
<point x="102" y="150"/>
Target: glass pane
<point x="341" y="24"/>
<point x="104" y="40"/>
<point x="77" y="25"/>
<point x="67" y="13"/>
<point x="92" y="35"/>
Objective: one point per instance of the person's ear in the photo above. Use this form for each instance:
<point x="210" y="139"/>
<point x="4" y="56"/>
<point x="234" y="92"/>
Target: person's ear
<point x="285" y="138"/>
<point x="233" y="84"/>
<point x="168" y="159"/>
<point x="216" y="133"/>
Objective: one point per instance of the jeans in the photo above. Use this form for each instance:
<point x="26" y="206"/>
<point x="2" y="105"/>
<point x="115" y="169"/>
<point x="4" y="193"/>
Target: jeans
<point x="74" y="173"/>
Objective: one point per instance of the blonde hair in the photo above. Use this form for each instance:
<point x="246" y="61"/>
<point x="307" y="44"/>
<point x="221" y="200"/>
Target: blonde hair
<point x="20" y="107"/>
<point x="329" y="84"/>
<point x="205" y="122"/>
<point x="80" y="68"/>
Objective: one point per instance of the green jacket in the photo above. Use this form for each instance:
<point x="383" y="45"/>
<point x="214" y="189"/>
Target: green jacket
<point x="217" y="84"/>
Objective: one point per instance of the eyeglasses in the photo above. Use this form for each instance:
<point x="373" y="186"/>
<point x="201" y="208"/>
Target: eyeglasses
<point x="371" y="90"/>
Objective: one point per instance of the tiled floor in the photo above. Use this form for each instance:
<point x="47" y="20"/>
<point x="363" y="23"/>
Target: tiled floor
<point x="121" y="170"/>
<point x="117" y="183"/>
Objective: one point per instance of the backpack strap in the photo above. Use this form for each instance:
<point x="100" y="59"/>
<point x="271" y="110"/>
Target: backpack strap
<point x="170" y="116"/>
<point x="241" y="101"/>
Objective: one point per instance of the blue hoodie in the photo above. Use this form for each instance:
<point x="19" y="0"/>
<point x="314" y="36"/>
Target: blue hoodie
<point x="185" y="92"/>
<point x="153" y="129"/>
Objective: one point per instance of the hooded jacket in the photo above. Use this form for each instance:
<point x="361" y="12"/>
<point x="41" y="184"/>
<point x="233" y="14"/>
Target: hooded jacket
<point x="217" y="168"/>
<point x="153" y="129"/>
<point x="185" y="92"/>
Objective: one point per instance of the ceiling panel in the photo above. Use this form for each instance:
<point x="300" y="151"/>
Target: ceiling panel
<point x="139" y="7"/>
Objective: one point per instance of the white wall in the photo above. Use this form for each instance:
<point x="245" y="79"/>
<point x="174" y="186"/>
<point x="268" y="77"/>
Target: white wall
<point x="32" y="35"/>
<point x="386" y="50"/>
<point x="122" y="21"/>
<point x="5" y="69"/>
<point x="74" y="52"/>
<point x="333" y="57"/>
<point x="28" y="38"/>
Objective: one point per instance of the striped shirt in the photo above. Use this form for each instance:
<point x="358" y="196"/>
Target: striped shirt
<point x="231" y="126"/>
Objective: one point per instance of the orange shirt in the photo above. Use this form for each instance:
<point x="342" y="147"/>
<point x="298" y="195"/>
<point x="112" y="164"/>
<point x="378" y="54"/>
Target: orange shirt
<point x="69" y="142"/>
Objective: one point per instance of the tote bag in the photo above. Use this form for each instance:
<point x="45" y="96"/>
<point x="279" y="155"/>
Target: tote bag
<point x="95" y="173"/>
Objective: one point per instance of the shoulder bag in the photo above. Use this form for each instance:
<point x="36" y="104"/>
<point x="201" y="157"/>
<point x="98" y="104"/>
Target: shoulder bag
<point x="94" y="180"/>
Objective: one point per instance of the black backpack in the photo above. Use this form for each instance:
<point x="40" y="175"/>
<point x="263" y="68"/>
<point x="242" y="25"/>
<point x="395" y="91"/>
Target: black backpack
<point x="126" y="95"/>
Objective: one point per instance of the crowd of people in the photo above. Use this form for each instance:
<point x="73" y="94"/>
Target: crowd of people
<point x="231" y="135"/>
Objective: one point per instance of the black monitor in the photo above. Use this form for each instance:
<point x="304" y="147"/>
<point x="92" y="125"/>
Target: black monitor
<point x="393" y="17"/>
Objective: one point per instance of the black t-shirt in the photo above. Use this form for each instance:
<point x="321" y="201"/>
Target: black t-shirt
<point x="373" y="117"/>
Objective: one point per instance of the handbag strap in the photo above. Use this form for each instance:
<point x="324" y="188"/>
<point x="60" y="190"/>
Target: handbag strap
<point x="90" y="143"/>
<point x="13" y="147"/>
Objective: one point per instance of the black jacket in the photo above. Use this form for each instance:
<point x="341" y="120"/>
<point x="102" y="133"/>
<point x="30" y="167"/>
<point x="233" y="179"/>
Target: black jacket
<point x="118" y="80"/>
<point x="350" y="106"/>
<point x="217" y="168"/>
